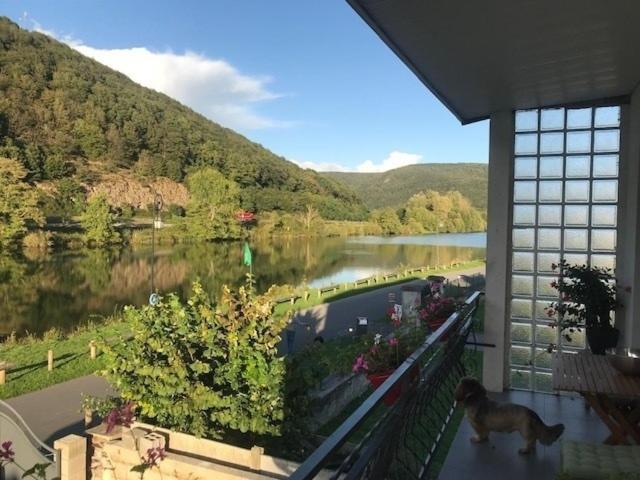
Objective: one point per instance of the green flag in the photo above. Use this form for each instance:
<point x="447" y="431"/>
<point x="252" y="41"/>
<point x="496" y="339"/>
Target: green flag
<point x="246" y="255"/>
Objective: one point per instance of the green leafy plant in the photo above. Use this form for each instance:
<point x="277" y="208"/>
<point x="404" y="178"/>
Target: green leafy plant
<point x="201" y="367"/>
<point x="97" y="221"/>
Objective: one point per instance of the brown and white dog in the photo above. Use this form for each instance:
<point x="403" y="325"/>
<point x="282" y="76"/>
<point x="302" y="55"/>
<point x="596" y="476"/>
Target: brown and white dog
<point x="488" y="416"/>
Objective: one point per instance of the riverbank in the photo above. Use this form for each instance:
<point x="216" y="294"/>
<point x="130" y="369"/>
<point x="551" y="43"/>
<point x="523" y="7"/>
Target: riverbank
<point x="27" y="358"/>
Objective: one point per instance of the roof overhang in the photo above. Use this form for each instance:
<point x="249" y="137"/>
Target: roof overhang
<point x="480" y="57"/>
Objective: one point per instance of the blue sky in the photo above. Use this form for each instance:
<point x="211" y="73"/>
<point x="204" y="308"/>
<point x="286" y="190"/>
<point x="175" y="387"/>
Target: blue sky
<point x="306" y="78"/>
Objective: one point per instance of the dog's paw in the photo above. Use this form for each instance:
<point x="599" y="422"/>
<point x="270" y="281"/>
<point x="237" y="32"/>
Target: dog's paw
<point x="478" y="439"/>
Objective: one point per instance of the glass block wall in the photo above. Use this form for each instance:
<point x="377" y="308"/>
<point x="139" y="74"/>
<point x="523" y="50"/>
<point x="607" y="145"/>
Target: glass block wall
<point x="564" y="206"/>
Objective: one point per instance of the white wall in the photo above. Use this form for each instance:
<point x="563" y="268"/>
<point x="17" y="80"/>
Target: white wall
<point x="628" y="257"/>
<point x="496" y="326"/>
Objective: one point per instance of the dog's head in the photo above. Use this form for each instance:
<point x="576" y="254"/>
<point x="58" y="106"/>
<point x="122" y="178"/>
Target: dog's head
<point x="469" y="389"/>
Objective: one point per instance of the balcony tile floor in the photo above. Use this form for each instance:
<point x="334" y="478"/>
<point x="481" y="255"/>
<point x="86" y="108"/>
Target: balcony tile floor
<point x="498" y="458"/>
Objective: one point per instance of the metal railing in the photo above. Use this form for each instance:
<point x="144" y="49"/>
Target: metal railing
<point x="400" y="441"/>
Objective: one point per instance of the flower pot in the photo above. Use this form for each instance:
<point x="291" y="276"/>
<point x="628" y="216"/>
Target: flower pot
<point x="435" y="324"/>
<point x="601" y="338"/>
<point x="377" y="379"/>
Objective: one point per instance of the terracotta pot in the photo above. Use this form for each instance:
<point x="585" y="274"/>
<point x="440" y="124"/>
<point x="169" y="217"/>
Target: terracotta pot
<point x="435" y="324"/>
<point x="377" y="379"/>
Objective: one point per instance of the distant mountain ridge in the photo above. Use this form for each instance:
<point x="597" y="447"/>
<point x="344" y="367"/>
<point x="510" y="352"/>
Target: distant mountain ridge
<point x="65" y="115"/>
<point x="394" y="187"/>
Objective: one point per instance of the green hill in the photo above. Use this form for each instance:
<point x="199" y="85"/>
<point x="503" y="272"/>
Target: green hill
<point x="395" y="187"/>
<point x="63" y="114"/>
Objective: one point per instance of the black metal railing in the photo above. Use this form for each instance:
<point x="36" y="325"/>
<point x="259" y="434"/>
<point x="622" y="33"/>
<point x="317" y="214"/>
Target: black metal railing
<point x="401" y="441"/>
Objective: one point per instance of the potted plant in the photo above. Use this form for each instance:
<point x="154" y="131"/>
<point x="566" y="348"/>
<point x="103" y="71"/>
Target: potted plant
<point x="381" y="360"/>
<point x="437" y="310"/>
<point x="587" y="297"/>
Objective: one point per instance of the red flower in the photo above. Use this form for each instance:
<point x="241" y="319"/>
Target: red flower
<point x="393" y="342"/>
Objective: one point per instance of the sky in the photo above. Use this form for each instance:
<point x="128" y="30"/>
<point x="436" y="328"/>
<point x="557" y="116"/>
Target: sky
<point x="308" y="79"/>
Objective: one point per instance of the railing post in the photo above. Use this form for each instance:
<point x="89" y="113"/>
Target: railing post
<point x="92" y="349"/>
<point x="50" y="360"/>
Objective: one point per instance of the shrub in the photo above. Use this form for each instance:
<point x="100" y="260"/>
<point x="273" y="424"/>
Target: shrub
<point x="203" y="368"/>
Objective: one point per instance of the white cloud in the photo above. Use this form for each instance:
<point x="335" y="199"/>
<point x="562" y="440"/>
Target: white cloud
<point x="212" y="87"/>
<point x="395" y="159"/>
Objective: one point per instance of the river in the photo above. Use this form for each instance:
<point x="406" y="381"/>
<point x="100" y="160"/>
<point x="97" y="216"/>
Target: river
<point x="65" y="289"/>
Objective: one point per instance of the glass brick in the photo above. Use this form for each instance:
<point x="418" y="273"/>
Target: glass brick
<point x="551" y="167"/>
<point x="575" y="339"/>
<point x="520" y="379"/>
<point x="526" y="167"/>
<point x="546" y="262"/>
<point x="603" y="261"/>
<point x="579" y="118"/>
<point x="522" y="285"/>
<point x="607" y="117"/>
<point x="544" y="288"/>
<point x="524" y="238"/>
<point x="521" y="308"/>
<point x="542" y="358"/>
<point x="604" y="215"/>
<point x="606" y="141"/>
<point x="550" y="215"/>
<point x="550" y="192"/>
<point x="549" y="239"/>
<point x="579" y="142"/>
<point x="576" y="239"/>
<point x="524" y="215"/>
<point x="541" y="311"/>
<point x="605" y="191"/>
<point x="552" y="143"/>
<point x="603" y="240"/>
<point x="521" y="332"/>
<point x="521" y="356"/>
<point x="575" y="258"/>
<point x="526" y="144"/>
<point x="576" y="191"/>
<point x="543" y="382"/>
<point x="578" y="166"/>
<point x="552" y="119"/>
<point x="522" y="262"/>
<point x="605" y="166"/>
<point x="576" y="215"/>
<point x="524" y="191"/>
<point x="526" y="120"/>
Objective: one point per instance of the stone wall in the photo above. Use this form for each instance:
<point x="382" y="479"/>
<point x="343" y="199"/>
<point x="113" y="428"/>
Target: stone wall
<point x="113" y="456"/>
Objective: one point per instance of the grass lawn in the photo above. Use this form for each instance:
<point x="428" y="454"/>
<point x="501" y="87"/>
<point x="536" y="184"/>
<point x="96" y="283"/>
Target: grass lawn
<point x="28" y="358"/>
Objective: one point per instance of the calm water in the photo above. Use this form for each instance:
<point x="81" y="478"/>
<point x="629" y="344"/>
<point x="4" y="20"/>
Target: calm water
<point x="68" y="288"/>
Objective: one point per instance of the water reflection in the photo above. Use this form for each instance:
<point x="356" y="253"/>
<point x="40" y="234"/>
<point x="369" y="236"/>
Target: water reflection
<point x="64" y="289"/>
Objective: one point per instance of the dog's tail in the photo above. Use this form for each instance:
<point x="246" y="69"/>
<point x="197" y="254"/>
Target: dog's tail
<point x="547" y="434"/>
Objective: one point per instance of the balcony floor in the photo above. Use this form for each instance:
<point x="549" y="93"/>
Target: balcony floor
<point x="499" y="458"/>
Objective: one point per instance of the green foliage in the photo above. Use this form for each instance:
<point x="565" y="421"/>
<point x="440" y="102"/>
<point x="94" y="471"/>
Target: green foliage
<point x="388" y="221"/>
<point x="395" y="187"/>
<point x="97" y="221"/>
<point x="70" y="198"/>
<point x="61" y="111"/>
<point x="212" y="207"/>
<point x="203" y="368"/>
<point x="18" y="204"/>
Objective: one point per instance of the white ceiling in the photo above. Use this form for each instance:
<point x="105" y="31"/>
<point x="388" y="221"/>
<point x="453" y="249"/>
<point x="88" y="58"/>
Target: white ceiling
<point x="483" y="56"/>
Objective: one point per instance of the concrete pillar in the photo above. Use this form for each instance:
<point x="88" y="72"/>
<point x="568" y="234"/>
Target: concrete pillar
<point x="628" y="248"/>
<point x="73" y="457"/>
<point x="496" y="322"/>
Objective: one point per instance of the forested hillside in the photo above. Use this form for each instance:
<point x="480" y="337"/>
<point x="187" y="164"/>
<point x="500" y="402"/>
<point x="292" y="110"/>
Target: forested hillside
<point x="395" y="187"/>
<point x="65" y="115"/>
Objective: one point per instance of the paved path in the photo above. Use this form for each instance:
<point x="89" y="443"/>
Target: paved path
<point x="55" y="411"/>
<point x="333" y="319"/>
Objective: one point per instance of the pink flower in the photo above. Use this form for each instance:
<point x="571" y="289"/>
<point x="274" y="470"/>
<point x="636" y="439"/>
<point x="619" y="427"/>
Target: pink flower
<point x="393" y="342"/>
<point x="154" y="456"/>
<point x="360" y="364"/>
<point x="6" y="453"/>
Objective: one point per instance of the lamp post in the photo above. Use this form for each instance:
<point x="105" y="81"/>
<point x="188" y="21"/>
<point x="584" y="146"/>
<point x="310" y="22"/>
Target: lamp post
<point x="245" y="218"/>
<point x="158" y="203"/>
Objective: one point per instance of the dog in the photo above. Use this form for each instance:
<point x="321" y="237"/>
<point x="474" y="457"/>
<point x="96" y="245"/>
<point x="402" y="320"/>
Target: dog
<point x="488" y="416"/>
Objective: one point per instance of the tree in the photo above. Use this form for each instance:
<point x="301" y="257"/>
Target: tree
<point x="18" y="203"/>
<point x="210" y="213"/>
<point x="203" y="368"/>
<point x="97" y="221"/>
<point x="310" y="218"/>
<point x="388" y="220"/>
<point x="70" y="198"/>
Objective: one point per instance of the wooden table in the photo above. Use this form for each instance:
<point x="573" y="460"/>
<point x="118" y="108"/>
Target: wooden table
<point x="613" y="396"/>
